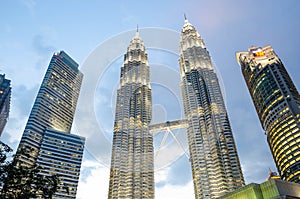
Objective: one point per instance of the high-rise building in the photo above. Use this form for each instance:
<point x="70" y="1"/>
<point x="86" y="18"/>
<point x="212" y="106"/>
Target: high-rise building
<point x="277" y="104"/>
<point x="47" y="131"/>
<point x="61" y="154"/>
<point x="132" y="170"/>
<point x="5" y="94"/>
<point x="215" y="164"/>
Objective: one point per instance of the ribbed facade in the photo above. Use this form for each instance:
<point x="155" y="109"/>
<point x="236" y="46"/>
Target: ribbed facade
<point x="270" y="189"/>
<point x="215" y="164"/>
<point x="61" y="154"/>
<point x="277" y="103"/>
<point x="5" y="95"/>
<point x="132" y="170"/>
<point x="53" y="111"/>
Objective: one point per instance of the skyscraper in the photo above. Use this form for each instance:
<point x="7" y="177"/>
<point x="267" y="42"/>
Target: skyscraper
<point x="47" y="131"/>
<point x="5" y="94"/>
<point x="215" y="164"/>
<point x="277" y="104"/>
<point x="61" y="154"/>
<point x="132" y="170"/>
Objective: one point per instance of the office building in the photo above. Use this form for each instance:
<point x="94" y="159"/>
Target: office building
<point x="277" y="104"/>
<point x="61" y="154"/>
<point x="5" y="95"/>
<point x="132" y="170"/>
<point x="215" y="164"/>
<point x="47" y="132"/>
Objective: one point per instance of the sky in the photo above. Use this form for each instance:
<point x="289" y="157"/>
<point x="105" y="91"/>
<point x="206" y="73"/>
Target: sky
<point x="96" y="35"/>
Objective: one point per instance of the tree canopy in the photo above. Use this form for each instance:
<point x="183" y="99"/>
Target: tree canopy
<point x="24" y="181"/>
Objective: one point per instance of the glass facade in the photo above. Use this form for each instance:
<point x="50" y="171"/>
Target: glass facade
<point x="5" y="95"/>
<point x="53" y="113"/>
<point x="61" y="154"/>
<point x="215" y="164"/>
<point x="132" y="169"/>
<point x="277" y="103"/>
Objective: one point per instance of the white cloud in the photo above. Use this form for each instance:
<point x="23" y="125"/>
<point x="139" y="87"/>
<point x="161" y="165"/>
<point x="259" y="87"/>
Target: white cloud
<point x="161" y="175"/>
<point x="95" y="184"/>
<point x="175" y="191"/>
<point x="13" y="131"/>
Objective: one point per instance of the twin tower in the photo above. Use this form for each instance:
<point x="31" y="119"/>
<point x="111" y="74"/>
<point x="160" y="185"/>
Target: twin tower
<point x="215" y="164"/>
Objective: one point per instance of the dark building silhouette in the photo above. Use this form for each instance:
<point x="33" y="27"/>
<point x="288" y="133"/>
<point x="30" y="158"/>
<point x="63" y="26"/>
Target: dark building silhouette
<point x="5" y="95"/>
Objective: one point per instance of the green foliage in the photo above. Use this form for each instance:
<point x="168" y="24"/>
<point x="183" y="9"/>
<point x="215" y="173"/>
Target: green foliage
<point x="22" y="180"/>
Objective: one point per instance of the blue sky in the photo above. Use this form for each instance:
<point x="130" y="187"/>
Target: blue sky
<point x="32" y="30"/>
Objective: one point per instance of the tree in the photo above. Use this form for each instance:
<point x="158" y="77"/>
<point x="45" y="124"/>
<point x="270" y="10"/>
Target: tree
<point x="23" y="181"/>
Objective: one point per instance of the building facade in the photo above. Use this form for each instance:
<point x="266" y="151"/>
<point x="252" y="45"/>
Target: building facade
<point x="5" y="95"/>
<point x="61" y="154"/>
<point x="48" y="128"/>
<point x="215" y="164"/>
<point x="132" y="169"/>
<point x="277" y="104"/>
<point x="270" y="189"/>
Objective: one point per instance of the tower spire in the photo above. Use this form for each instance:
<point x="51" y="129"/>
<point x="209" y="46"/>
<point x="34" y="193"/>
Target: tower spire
<point x="185" y="18"/>
<point x="138" y="169"/>
<point x="137" y="31"/>
<point x="194" y="62"/>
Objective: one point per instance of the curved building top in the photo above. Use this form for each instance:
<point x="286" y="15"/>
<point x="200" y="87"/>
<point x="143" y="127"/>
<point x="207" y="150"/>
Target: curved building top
<point x="257" y="56"/>
<point x="190" y="37"/>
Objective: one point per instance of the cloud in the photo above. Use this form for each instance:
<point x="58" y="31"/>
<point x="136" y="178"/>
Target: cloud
<point x="23" y="99"/>
<point x="94" y="180"/>
<point x="177" y="174"/>
<point x="21" y="103"/>
<point x="94" y="183"/>
<point x="40" y="45"/>
<point x="180" y="172"/>
<point x="42" y="49"/>
<point x="175" y="191"/>
<point x="161" y="176"/>
<point x="12" y="133"/>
